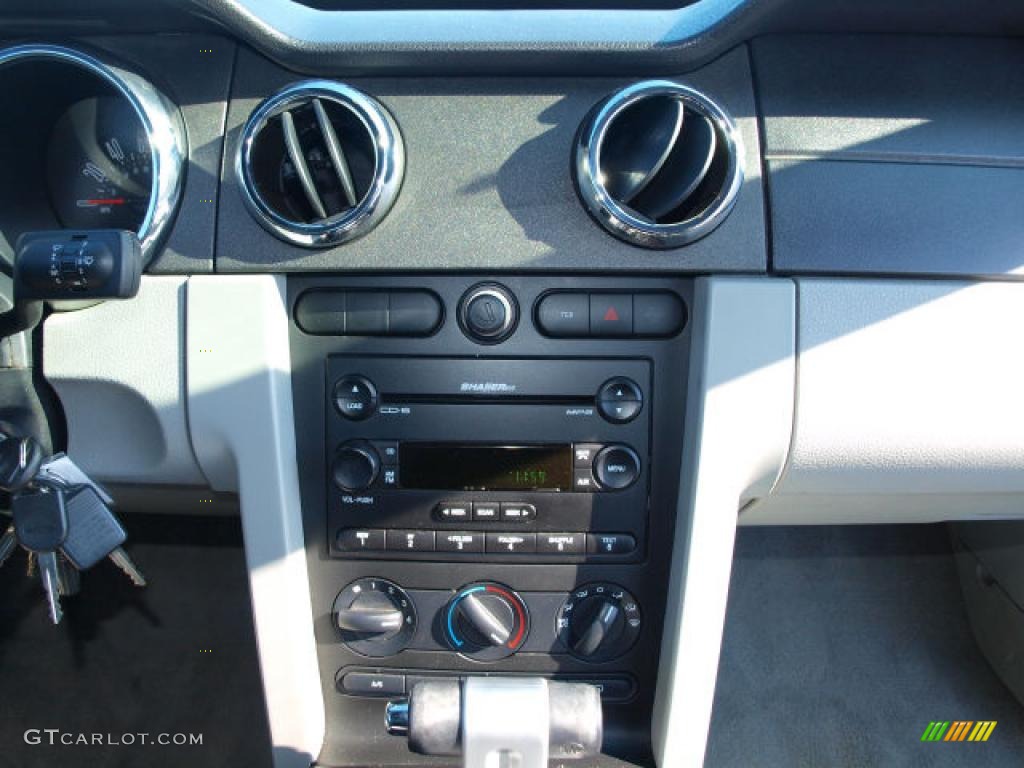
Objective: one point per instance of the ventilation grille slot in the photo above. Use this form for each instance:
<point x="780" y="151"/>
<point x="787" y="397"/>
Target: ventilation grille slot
<point x="320" y="166"/>
<point x="657" y="165"/>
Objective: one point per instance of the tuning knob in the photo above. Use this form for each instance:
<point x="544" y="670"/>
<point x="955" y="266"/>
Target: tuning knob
<point x="599" y="622"/>
<point x="376" y="617"/>
<point x="486" y="621"/>
<point x="355" y="466"/>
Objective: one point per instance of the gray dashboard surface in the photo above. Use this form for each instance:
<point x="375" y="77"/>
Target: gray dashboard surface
<point x="894" y="155"/>
<point x="530" y="40"/>
<point x="897" y="218"/>
<point x="444" y="38"/>
<point x="440" y="37"/>
<point x="888" y="98"/>
<point x="487" y="182"/>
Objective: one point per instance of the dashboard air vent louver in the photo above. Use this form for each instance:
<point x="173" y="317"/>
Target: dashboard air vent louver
<point x="320" y="163"/>
<point x="658" y="164"/>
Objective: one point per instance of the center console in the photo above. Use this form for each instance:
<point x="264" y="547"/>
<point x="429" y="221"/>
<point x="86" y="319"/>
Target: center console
<point x="489" y="470"/>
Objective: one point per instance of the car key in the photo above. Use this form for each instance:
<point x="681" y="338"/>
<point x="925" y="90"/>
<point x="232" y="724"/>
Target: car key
<point x="69" y="579"/>
<point x="41" y="525"/>
<point x="20" y="459"/>
<point x="8" y="544"/>
<point x="95" y="533"/>
<point x="61" y="468"/>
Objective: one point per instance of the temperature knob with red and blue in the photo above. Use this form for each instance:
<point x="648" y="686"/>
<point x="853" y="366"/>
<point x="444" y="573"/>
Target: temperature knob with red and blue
<point x="486" y="621"/>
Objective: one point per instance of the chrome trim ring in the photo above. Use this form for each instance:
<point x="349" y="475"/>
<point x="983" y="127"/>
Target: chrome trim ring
<point x="389" y="165"/>
<point x="504" y="297"/>
<point x="627" y="224"/>
<point x="161" y="121"/>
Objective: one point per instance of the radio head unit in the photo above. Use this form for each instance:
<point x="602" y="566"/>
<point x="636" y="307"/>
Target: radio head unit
<point x="452" y="458"/>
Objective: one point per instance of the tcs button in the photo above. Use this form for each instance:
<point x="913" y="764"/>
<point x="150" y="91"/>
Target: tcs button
<point x="563" y="314"/>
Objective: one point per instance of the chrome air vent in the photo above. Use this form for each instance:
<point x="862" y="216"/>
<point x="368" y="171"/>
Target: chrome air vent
<point x="320" y="163"/>
<point x="658" y="164"/>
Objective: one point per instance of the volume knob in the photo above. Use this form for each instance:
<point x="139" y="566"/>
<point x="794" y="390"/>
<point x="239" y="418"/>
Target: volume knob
<point x="355" y="466"/>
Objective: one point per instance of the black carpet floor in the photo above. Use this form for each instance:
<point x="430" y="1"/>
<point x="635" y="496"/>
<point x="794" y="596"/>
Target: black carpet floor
<point x="841" y="644"/>
<point x="178" y="657"/>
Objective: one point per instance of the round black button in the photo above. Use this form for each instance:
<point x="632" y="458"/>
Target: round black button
<point x="616" y="467"/>
<point x="355" y="397"/>
<point x="488" y="313"/>
<point x="620" y="400"/>
<point x="355" y="466"/>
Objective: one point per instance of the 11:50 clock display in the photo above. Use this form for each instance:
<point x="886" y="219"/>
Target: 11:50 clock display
<point x="479" y="467"/>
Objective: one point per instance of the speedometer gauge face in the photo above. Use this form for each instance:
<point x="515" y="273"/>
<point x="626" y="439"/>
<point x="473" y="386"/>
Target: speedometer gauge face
<point x="99" y="170"/>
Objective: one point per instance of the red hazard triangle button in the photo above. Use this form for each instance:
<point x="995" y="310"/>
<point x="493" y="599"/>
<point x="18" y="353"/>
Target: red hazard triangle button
<point x="611" y="314"/>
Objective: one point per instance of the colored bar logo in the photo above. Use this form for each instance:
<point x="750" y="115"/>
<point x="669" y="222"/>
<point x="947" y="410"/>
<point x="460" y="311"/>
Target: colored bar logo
<point x="958" y="730"/>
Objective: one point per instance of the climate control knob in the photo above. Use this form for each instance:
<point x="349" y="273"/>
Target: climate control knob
<point x="599" y="622"/>
<point x="355" y="466"/>
<point x="375" y="617"/>
<point x="486" y="621"/>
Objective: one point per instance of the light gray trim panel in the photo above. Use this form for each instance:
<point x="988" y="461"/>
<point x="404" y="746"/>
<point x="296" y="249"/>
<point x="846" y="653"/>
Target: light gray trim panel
<point x="118" y="369"/>
<point x="908" y="405"/>
<point x="739" y="417"/>
<point x="243" y="426"/>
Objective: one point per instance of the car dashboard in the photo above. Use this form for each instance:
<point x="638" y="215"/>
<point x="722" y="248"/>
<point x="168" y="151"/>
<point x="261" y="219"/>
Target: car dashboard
<point x="524" y="311"/>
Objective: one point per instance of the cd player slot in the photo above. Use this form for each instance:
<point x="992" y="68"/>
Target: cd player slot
<point x="487" y="399"/>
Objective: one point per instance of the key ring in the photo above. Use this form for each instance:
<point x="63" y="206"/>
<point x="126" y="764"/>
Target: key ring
<point x="46" y="481"/>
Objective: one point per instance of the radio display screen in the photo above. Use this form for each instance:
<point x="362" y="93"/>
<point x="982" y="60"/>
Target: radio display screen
<point x="474" y="467"/>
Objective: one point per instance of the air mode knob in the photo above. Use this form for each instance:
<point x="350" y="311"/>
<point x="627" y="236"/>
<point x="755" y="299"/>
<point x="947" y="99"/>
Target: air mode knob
<point x="355" y="466"/>
<point x="599" y="622"/>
